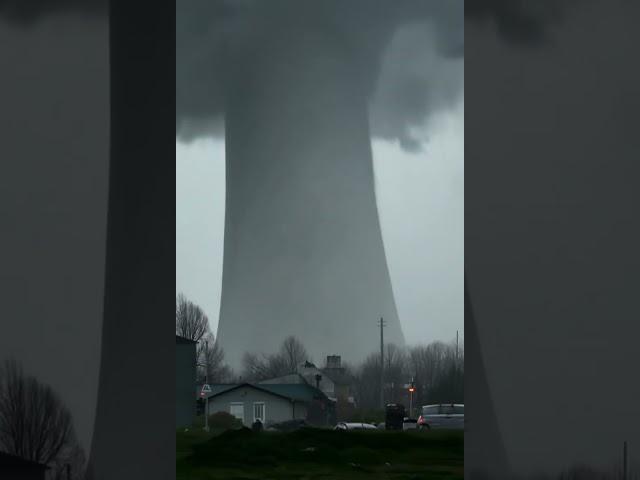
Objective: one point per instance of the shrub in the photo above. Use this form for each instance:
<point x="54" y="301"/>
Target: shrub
<point x="224" y="421"/>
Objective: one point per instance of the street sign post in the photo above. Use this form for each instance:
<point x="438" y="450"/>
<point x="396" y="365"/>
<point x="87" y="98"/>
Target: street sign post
<point x="412" y="389"/>
<point x="206" y="388"/>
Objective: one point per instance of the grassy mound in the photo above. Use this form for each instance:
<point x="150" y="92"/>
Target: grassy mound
<point x="319" y="453"/>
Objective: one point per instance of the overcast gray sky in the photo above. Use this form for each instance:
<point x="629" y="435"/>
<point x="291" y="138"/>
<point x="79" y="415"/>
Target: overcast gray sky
<point x="421" y="207"/>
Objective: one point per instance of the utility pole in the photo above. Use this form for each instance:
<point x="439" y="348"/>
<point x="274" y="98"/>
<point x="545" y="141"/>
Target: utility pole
<point x="381" y="324"/>
<point x="206" y="382"/>
<point x="456" y="347"/>
<point x="412" y="388"/>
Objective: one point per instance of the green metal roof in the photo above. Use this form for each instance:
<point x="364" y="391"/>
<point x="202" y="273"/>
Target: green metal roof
<point x="298" y="392"/>
<point x="294" y="391"/>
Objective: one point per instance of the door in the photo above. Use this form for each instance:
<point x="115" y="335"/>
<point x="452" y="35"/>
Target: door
<point x="237" y="410"/>
<point x="258" y="412"/>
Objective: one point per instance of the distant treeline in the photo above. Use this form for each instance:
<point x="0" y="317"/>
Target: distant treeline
<point x="437" y="368"/>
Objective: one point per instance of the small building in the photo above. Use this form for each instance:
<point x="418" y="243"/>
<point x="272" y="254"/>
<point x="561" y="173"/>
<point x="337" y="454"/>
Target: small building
<point x="17" y="468"/>
<point x="185" y="381"/>
<point x="342" y="381"/>
<point x="314" y="376"/>
<point x="333" y="379"/>
<point x="272" y="403"/>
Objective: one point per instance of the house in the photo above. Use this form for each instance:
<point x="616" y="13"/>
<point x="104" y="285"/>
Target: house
<point x="272" y="403"/>
<point x="333" y="379"/>
<point x="342" y="380"/>
<point x="314" y="376"/>
<point x="185" y="381"/>
<point x="17" y="468"/>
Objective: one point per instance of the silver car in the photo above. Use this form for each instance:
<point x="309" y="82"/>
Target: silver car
<point x="354" y="426"/>
<point x="449" y="415"/>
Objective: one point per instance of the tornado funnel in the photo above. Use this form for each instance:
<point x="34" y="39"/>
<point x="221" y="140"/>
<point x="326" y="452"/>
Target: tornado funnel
<point x="484" y="454"/>
<point x="303" y="250"/>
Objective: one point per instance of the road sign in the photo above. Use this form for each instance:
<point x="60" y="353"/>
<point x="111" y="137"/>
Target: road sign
<point x="206" y="388"/>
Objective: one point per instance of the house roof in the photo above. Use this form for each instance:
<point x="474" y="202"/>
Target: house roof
<point x="8" y="460"/>
<point x="183" y="341"/>
<point x="292" y="378"/>
<point x="296" y="391"/>
<point x="299" y="392"/>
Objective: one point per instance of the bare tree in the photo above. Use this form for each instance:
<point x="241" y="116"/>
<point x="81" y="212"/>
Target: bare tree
<point x="367" y="377"/>
<point x="439" y="372"/>
<point x="367" y="382"/>
<point x="211" y="358"/>
<point x="256" y="367"/>
<point x="437" y="369"/>
<point x="34" y="424"/>
<point x="191" y="321"/>
<point x="261" y="367"/>
<point x="395" y="373"/>
<point x="293" y="353"/>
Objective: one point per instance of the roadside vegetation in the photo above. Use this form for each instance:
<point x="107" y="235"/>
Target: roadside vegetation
<point x="312" y="453"/>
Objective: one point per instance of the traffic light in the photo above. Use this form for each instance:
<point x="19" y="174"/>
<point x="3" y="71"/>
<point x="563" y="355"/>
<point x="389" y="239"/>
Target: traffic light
<point x="412" y="387"/>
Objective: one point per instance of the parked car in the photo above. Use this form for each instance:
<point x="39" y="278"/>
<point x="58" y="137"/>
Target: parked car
<point x="409" y="424"/>
<point x="354" y="426"/>
<point x="450" y="415"/>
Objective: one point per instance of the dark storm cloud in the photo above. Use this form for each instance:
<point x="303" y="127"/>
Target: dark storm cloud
<point x="412" y="83"/>
<point x="26" y="12"/>
<point x="519" y="22"/>
<point x="399" y="53"/>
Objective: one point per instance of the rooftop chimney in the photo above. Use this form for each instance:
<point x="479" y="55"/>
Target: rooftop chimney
<point x="333" y="361"/>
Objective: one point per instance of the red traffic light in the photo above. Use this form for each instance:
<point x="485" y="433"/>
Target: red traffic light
<point x="411" y="389"/>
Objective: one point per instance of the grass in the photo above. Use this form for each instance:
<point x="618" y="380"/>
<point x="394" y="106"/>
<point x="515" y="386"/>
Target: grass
<point x="320" y="454"/>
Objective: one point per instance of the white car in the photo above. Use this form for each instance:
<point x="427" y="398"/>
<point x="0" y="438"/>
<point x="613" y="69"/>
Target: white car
<point x="449" y="415"/>
<point x="409" y="424"/>
<point x="354" y="426"/>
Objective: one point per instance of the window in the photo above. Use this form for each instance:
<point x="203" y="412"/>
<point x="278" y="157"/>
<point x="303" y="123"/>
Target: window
<point x="431" y="410"/>
<point x="237" y="410"/>
<point x="446" y="410"/>
<point x="258" y="411"/>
